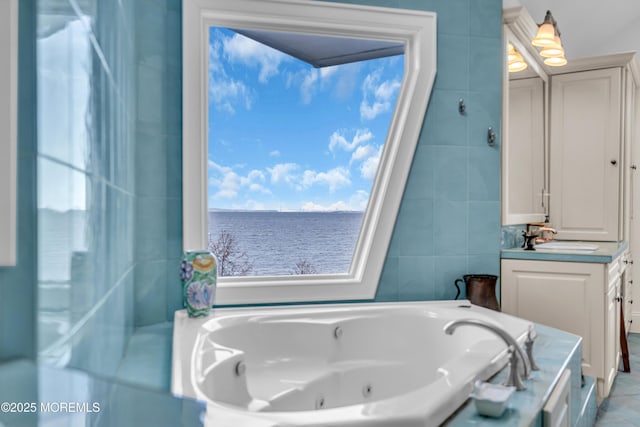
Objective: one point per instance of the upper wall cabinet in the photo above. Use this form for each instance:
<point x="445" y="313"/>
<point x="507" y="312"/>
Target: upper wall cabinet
<point x="8" y="131"/>
<point x="591" y="130"/>
<point x="524" y="148"/>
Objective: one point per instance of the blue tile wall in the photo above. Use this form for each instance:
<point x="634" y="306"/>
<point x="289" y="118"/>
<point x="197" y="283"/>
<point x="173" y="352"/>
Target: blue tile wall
<point x="158" y="232"/>
<point x="511" y="236"/>
<point x="449" y="220"/>
<point x="86" y="186"/>
<point x="17" y="284"/>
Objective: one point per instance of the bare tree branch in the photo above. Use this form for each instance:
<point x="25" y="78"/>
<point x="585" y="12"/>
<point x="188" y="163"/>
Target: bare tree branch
<point x="231" y="260"/>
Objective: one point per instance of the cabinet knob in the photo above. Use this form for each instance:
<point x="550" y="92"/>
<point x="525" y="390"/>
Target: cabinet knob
<point x="614" y="162"/>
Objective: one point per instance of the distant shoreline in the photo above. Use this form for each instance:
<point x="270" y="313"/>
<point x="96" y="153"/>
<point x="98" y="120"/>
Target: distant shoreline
<point x="216" y="210"/>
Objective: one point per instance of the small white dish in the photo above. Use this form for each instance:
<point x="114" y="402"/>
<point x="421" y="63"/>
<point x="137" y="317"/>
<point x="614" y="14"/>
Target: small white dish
<point x="491" y="399"/>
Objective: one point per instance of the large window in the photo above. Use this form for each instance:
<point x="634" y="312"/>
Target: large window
<point x="295" y="158"/>
<point x="293" y="150"/>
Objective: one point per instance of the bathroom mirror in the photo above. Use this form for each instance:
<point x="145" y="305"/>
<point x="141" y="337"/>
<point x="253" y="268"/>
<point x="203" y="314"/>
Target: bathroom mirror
<point x="8" y="129"/>
<point x="524" y="124"/>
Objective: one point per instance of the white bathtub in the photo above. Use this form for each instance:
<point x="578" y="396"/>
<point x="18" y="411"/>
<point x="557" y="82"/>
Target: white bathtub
<point x="379" y="364"/>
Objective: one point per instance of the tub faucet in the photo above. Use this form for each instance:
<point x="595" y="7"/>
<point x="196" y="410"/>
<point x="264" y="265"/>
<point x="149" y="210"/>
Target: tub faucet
<point x="515" y="352"/>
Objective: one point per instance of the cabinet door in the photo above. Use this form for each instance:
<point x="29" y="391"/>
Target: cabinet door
<point x="585" y="154"/>
<point x="523" y="151"/>
<point x="627" y="291"/>
<point x="563" y="295"/>
<point x="612" y="335"/>
<point x="557" y="410"/>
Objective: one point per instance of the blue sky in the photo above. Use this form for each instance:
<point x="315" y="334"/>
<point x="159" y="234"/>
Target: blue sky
<point x="286" y="136"/>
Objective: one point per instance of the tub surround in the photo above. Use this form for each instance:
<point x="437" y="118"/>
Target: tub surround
<point x="606" y="253"/>
<point x="147" y="359"/>
<point x="554" y="351"/>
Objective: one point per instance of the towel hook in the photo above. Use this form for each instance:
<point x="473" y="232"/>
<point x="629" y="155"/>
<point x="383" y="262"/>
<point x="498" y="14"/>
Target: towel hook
<point x="491" y="137"/>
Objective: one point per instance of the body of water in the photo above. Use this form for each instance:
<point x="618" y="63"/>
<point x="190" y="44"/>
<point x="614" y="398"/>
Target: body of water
<point x="275" y="241"/>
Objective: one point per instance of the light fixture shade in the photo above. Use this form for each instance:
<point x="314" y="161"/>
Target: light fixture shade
<point x="556" y="62"/>
<point x="511" y="54"/>
<point x="545" y="36"/>
<point x="554" y="50"/>
<point x="518" y="64"/>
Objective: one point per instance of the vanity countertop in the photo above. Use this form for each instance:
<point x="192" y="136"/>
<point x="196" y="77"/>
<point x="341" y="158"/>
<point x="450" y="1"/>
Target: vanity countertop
<point x="606" y="253"/>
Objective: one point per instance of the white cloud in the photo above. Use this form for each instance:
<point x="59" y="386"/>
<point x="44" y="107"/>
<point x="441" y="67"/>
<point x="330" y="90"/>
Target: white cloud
<point x="282" y="172"/>
<point x="229" y="183"/>
<point x="250" y="182"/>
<point x="357" y="202"/>
<point x="334" y="178"/>
<point x="376" y="95"/>
<point x="315" y="207"/>
<point x="274" y="153"/>
<point x="369" y="167"/>
<point x="311" y="81"/>
<point x="362" y="152"/>
<point x="308" y="85"/>
<point x="326" y="72"/>
<point x="347" y="81"/>
<point x="225" y="92"/>
<point x="239" y="48"/>
<point x="338" y="140"/>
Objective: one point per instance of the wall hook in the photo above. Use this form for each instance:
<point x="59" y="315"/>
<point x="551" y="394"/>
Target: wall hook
<point x="491" y="137"/>
<point x="462" y="108"/>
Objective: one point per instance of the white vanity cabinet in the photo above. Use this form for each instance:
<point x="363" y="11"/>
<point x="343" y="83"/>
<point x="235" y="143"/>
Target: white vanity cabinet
<point x="579" y="297"/>
<point x="590" y="129"/>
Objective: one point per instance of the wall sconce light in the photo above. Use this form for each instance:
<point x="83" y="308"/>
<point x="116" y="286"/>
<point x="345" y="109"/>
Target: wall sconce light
<point x="548" y="38"/>
<point x="515" y="60"/>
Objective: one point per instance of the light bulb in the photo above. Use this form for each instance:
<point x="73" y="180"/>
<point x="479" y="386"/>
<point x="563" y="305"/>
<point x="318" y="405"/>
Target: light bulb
<point x="556" y="61"/>
<point x="554" y="50"/>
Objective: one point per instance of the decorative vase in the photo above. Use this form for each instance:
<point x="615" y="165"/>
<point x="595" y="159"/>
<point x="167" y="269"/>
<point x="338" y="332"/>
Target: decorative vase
<point x="199" y="274"/>
<point x="481" y="290"/>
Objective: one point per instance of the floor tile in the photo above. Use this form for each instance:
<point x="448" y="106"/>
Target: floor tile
<point x="622" y="408"/>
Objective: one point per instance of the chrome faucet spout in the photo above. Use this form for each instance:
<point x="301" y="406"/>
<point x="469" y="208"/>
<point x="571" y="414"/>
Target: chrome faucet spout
<point x="515" y="349"/>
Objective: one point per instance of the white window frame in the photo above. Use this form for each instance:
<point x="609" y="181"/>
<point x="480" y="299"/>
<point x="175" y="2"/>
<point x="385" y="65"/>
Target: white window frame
<point x="416" y="29"/>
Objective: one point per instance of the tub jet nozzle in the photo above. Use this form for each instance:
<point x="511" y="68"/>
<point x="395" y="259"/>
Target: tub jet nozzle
<point x="337" y="332"/>
<point x="240" y="369"/>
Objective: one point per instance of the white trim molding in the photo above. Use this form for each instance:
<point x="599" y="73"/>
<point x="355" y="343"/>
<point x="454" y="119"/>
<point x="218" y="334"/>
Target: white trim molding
<point x="416" y="29"/>
<point x="8" y="130"/>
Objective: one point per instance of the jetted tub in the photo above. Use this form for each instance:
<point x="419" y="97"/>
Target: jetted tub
<point x="378" y="364"/>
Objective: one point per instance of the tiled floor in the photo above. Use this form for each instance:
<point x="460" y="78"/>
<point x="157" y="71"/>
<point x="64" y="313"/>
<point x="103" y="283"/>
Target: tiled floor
<point x="622" y="408"/>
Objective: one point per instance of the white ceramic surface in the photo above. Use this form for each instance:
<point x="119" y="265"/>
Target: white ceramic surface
<point x="378" y="364"/>
<point x="567" y="246"/>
